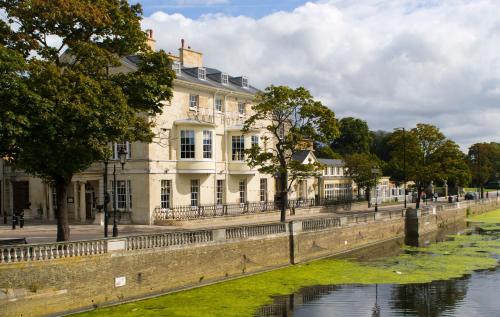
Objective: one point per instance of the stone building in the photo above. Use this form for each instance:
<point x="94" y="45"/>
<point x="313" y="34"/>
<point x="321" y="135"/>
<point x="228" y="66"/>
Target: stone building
<point x="197" y="157"/>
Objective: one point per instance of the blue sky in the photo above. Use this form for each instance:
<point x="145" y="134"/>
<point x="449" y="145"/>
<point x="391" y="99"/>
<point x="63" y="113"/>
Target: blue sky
<point x="196" y="8"/>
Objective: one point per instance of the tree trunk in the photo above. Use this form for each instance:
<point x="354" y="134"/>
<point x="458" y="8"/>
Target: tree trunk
<point x="482" y="191"/>
<point x="368" y="196"/>
<point x="61" y="185"/>
<point x="284" y="195"/>
<point x="419" y="194"/>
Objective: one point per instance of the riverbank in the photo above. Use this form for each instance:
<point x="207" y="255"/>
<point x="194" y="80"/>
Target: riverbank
<point x="242" y="297"/>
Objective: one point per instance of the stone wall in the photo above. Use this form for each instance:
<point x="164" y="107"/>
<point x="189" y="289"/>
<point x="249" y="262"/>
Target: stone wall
<point x="50" y="279"/>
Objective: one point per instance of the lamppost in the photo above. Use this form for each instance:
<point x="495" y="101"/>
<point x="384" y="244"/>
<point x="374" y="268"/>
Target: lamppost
<point x="498" y="183"/>
<point x="404" y="163"/>
<point x="375" y="172"/>
<point x="106" y="198"/>
<point x="122" y="155"/>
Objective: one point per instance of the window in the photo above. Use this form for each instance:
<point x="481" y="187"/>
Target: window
<point x="121" y="195"/>
<point x="195" y="192"/>
<point x="255" y="140"/>
<point x="241" y="108"/>
<point x="325" y="172"/>
<point x="207" y="144"/>
<point x="263" y="189"/>
<point x="193" y="101"/>
<point x="329" y="191"/>
<point x="238" y="148"/>
<point x="187" y="144"/>
<point x="118" y="146"/>
<point x="176" y="67"/>
<point x="218" y="104"/>
<point x="243" y="191"/>
<point x="165" y="193"/>
<point x="302" y="189"/>
<point x="202" y="73"/>
<point x="224" y="78"/>
<point x="220" y="192"/>
<point x="244" y="82"/>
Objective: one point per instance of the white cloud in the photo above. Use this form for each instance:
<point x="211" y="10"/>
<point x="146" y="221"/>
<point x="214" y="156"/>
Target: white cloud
<point x="199" y="2"/>
<point x="392" y="63"/>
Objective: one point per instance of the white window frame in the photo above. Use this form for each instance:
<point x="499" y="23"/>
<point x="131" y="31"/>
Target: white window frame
<point x="218" y="104"/>
<point x="329" y="191"/>
<point x="242" y="108"/>
<point x="263" y="190"/>
<point x="194" y="101"/>
<point x="187" y="149"/>
<point x="116" y="149"/>
<point x="123" y="198"/>
<point x="238" y="152"/>
<point x="195" y="193"/>
<point x="166" y="193"/>
<point x="207" y="144"/>
<point x="220" y="192"/>
<point x="224" y="78"/>
<point x="242" y="188"/>
<point x="255" y="140"/>
<point x="202" y="73"/>
<point x="176" y="67"/>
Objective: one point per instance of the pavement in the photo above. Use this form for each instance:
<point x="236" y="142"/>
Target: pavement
<point x="36" y="232"/>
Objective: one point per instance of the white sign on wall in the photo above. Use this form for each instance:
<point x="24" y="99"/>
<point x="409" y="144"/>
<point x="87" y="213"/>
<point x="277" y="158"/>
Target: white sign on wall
<point x="120" y="281"/>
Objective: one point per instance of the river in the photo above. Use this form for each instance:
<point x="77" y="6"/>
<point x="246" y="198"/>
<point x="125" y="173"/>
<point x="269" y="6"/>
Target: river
<point x="475" y="294"/>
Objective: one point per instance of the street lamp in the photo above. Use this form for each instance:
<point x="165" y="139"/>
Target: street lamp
<point x="375" y="172"/>
<point x="498" y="183"/>
<point x="404" y="162"/>
<point x="122" y="155"/>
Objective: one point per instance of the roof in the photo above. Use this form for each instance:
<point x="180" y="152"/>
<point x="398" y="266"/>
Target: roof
<point x="190" y="74"/>
<point x="331" y="162"/>
<point x="301" y="156"/>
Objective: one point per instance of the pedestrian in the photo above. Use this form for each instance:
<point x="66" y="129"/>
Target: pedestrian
<point x="435" y="197"/>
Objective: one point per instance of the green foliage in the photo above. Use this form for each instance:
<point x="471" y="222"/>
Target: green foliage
<point x="359" y="168"/>
<point x="380" y="144"/>
<point x="484" y="162"/>
<point x="326" y="152"/>
<point x="66" y="108"/>
<point x="451" y="259"/>
<point x="289" y="117"/>
<point x="429" y="157"/>
<point x="354" y="137"/>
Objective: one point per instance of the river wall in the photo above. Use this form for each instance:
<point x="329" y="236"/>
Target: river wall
<point x="46" y="279"/>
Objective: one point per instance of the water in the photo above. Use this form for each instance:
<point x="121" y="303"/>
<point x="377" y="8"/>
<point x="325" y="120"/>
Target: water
<point x="471" y="295"/>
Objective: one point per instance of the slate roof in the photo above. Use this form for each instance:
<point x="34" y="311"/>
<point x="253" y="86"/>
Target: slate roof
<point x="331" y="162"/>
<point x="190" y="74"/>
<point x="300" y="156"/>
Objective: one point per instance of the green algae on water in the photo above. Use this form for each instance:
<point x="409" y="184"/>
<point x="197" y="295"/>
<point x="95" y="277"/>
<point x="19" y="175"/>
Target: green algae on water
<point x="461" y="255"/>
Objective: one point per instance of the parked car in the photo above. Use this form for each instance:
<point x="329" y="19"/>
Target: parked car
<point x="470" y="196"/>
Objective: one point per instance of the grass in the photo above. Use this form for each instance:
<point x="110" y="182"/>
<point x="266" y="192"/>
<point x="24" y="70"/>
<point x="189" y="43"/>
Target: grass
<point x="475" y="189"/>
<point x="242" y="297"/>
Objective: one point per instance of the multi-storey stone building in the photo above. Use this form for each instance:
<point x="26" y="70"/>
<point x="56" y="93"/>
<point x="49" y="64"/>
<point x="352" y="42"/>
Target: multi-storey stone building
<point x="197" y="157"/>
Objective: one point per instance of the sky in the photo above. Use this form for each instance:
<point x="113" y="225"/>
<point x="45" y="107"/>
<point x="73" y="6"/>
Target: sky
<point x="393" y="63"/>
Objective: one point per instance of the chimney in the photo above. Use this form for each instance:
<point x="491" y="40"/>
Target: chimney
<point x="189" y="57"/>
<point x="150" y="40"/>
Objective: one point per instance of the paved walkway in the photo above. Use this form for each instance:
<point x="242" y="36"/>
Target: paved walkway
<point x="46" y="232"/>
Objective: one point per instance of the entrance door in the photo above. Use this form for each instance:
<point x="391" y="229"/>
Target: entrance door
<point x="21" y="195"/>
<point x="88" y="205"/>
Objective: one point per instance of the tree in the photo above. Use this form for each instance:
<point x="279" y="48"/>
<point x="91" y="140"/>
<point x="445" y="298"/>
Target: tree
<point x="431" y="157"/>
<point x="325" y="151"/>
<point x="288" y="117"/>
<point x="354" y="137"/>
<point x="484" y="162"/>
<point x="77" y="107"/>
<point x="360" y="167"/>
<point x="380" y="144"/>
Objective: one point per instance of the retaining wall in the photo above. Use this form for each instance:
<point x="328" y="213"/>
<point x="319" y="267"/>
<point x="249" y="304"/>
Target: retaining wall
<point x="46" y="279"/>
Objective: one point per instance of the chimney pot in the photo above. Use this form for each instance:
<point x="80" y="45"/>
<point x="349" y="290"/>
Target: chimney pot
<point x="182" y="43"/>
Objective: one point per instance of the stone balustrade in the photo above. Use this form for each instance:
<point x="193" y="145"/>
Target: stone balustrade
<point x="254" y="231"/>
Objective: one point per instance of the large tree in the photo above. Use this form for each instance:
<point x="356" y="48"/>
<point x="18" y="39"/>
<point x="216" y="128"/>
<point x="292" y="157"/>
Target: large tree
<point x="288" y="117"/>
<point x="484" y="162"/>
<point x="76" y="106"/>
<point x="430" y="157"/>
<point x="360" y="167"/>
<point x="354" y="137"/>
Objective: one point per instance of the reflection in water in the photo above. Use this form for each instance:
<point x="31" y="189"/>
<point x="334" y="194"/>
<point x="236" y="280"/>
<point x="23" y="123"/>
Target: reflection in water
<point x="471" y="295"/>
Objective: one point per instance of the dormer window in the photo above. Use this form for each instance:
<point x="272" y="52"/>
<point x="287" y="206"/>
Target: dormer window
<point x="176" y="67"/>
<point x="244" y="82"/>
<point x="224" y="78"/>
<point x="202" y="73"/>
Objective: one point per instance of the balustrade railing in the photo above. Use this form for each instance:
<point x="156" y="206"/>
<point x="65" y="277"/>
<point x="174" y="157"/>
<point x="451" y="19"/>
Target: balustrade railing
<point x="320" y="223"/>
<point x="254" y="231"/>
<point x="49" y="251"/>
<point x="168" y="239"/>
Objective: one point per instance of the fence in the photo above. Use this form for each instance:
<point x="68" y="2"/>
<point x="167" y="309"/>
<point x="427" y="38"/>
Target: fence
<point x="254" y="231"/>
